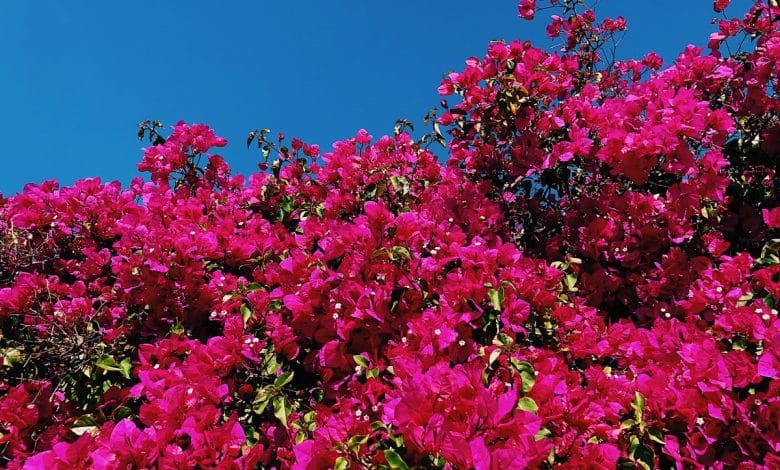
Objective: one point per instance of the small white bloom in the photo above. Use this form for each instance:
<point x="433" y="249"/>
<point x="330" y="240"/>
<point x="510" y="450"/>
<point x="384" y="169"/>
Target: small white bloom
<point x="358" y="413"/>
<point x="719" y="289"/>
<point x="189" y="391"/>
<point x="335" y="316"/>
<point x="404" y="340"/>
<point x="192" y="232"/>
<point x="337" y="306"/>
<point x="758" y="310"/>
<point x="765" y="316"/>
<point x="462" y="343"/>
<point x="437" y="332"/>
<point x="699" y="421"/>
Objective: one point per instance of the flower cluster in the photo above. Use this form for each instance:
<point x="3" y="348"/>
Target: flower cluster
<point x="589" y="279"/>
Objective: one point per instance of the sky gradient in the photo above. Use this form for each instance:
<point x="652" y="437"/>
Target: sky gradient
<point x="76" y="77"/>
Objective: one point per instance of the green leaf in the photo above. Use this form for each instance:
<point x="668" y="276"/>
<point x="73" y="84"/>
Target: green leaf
<point x="494" y="355"/>
<point x="262" y="398"/>
<point x="527" y="404"/>
<point x="542" y="434"/>
<point x="378" y="425"/>
<point x="86" y="424"/>
<point x="644" y="456"/>
<point x="395" y="460"/>
<point x="526" y="372"/>
<point x="125" y="366"/>
<point x="246" y="313"/>
<point x="121" y="413"/>
<point x="656" y="435"/>
<point x="361" y="360"/>
<point x="86" y="420"/>
<point x="281" y="409"/>
<point x="177" y="328"/>
<point x="107" y="363"/>
<point x="341" y="464"/>
<point x="271" y="365"/>
<point x="638" y="404"/>
<point x="355" y="442"/>
<point x="438" y="462"/>
<point x="496" y="298"/>
<point x="400" y="252"/>
<point x="80" y="430"/>
<point x="283" y="379"/>
<point x="633" y="443"/>
<point x="571" y="282"/>
<point x="397" y="439"/>
<point x="640" y="454"/>
<point x="739" y="344"/>
<point x="11" y="356"/>
<point x="400" y="184"/>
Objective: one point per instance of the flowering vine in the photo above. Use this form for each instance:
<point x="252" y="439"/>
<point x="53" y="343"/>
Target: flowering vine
<point x="588" y="278"/>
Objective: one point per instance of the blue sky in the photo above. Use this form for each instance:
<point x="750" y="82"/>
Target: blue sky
<point x="76" y="77"/>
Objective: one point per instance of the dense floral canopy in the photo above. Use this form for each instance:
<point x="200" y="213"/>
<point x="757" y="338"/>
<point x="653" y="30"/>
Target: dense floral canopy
<point x="588" y="277"/>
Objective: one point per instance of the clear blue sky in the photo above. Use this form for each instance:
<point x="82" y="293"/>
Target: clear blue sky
<point x="77" y="76"/>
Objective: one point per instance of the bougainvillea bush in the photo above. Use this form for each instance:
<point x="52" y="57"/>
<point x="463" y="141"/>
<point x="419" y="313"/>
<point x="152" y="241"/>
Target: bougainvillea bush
<point x="585" y="276"/>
